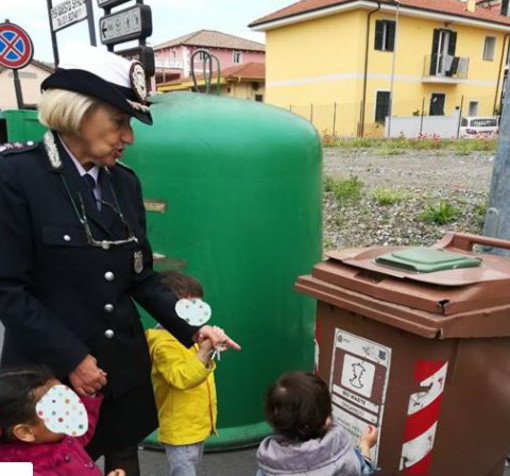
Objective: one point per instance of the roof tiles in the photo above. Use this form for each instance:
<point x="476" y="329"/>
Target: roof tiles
<point x="447" y="7"/>
<point x="213" y="39"/>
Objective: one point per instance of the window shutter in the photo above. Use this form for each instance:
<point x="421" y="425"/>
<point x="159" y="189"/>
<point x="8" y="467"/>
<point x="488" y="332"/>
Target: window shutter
<point x="434" y="56"/>
<point x="452" y="43"/>
<point x="390" y="32"/>
<point x="379" y="32"/>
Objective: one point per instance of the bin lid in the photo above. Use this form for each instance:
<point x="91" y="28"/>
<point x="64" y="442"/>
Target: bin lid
<point x="427" y="260"/>
<point x="445" y="290"/>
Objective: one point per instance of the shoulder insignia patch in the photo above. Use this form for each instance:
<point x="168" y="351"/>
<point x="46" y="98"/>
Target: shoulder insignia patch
<point x="16" y="147"/>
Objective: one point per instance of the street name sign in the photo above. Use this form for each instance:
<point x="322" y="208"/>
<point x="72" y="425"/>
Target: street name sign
<point x="68" y="13"/>
<point x="129" y="24"/>
<point x="16" y="48"/>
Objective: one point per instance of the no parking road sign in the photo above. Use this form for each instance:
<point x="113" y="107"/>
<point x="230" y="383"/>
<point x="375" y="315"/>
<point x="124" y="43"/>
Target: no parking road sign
<point x="16" y="48"/>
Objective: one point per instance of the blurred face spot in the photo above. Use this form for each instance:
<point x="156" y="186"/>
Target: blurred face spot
<point x="104" y="133"/>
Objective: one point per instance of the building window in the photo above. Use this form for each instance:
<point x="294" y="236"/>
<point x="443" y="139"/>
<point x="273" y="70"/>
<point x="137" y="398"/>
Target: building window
<point x="488" y="48"/>
<point x="444" y="43"/>
<point x="437" y="104"/>
<point x="504" y="8"/>
<point x="259" y="98"/>
<point x="237" y="57"/>
<point x="384" y="35"/>
<point x="382" y="105"/>
<point x="473" y="108"/>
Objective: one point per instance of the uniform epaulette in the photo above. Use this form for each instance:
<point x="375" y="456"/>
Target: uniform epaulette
<point x="17" y="147"/>
<point x="126" y="167"/>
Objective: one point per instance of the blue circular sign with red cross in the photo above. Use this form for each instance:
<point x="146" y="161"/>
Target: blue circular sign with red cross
<point x="16" y="48"/>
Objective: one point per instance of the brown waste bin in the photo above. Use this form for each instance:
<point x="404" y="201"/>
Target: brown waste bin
<point x="416" y="341"/>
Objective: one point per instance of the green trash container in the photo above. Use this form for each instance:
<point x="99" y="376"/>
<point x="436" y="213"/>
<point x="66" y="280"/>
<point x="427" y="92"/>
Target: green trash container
<point x="232" y="191"/>
<point x="416" y="341"/>
<point x="20" y="126"/>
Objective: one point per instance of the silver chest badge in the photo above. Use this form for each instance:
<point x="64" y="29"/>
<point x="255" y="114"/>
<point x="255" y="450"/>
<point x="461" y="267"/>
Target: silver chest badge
<point x="138" y="261"/>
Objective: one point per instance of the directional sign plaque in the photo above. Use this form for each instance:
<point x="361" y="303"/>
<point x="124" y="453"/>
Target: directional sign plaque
<point x="144" y="54"/>
<point x="16" y="48"/>
<point x="110" y="3"/>
<point x="129" y="24"/>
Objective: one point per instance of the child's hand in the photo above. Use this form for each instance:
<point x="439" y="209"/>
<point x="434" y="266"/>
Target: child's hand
<point x="217" y="336"/>
<point x="117" y="472"/>
<point x="205" y="350"/>
<point x="369" y="437"/>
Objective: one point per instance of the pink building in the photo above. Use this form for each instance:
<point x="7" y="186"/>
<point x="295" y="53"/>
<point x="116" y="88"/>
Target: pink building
<point x="173" y="57"/>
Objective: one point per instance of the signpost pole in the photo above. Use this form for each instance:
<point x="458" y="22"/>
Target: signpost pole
<point x="17" y="87"/>
<point x="53" y="36"/>
<point x="90" y="21"/>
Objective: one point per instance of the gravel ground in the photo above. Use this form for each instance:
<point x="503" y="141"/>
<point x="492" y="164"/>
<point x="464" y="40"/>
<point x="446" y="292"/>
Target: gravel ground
<point x="423" y="178"/>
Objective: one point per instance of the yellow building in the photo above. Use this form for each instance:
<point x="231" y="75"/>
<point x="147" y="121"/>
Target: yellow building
<point x="338" y="62"/>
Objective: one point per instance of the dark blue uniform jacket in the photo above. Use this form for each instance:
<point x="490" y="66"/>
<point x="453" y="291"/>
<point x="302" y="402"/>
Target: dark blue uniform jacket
<point x="61" y="299"/>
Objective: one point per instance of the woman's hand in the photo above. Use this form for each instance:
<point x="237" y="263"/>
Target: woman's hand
<point x="87" y="378"/>
<point x="217" y="337"/>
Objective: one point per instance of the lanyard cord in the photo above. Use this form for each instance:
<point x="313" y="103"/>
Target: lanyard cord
<point x="80" y="217"/>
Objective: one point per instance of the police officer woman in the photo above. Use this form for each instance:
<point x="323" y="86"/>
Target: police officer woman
<point x="74" y="256"/>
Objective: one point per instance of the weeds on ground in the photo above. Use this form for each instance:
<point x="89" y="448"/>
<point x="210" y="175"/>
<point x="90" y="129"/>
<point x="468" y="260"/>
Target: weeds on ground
<point x="345" y="190"/>
<point x="480" y="210"/>
<point x="387" y="196"/>
<point x="465" y="147"/>
<point x="387" y="152"/>
<point x="441" y="213"/>
<point x="424" y="142"/>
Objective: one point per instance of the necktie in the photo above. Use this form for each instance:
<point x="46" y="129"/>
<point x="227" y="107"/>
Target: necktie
<point x="91" y="185"/>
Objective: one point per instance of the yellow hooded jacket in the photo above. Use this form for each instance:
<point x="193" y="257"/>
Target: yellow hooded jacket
<point x="184" y="389"/>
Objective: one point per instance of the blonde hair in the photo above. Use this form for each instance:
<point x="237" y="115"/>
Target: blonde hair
<point x="63" y="110"/>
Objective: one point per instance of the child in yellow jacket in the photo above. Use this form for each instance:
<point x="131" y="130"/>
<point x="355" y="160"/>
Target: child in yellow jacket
<point x="184" y="387"/>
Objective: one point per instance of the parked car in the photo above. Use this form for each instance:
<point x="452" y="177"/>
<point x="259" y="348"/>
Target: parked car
<point x="477" y="127"/>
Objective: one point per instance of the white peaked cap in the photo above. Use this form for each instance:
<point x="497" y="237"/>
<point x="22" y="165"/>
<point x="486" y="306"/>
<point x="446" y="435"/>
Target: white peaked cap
<point x="103" y="75"/>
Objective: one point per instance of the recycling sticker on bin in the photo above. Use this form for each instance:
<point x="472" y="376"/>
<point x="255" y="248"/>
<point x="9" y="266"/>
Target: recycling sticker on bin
<point x="359" y="379"/>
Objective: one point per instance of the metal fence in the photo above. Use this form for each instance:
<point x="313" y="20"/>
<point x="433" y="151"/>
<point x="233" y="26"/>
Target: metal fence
<point x="345" y="119"/>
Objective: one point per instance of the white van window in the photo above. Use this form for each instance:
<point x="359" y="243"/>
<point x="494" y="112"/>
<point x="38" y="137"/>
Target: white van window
<point x="484" y="122"/>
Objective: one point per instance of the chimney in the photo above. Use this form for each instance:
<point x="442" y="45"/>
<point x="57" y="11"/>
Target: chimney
<point x="471" y="6"/>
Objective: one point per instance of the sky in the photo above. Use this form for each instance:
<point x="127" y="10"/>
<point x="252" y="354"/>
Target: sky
<point x="170" y="19"/>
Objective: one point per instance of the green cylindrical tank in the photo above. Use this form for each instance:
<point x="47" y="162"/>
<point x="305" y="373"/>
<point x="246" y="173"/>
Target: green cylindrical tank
<point x="232" y="188"/>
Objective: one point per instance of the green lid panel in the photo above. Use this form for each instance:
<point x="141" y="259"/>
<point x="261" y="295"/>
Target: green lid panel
<point x="427" y="260"/>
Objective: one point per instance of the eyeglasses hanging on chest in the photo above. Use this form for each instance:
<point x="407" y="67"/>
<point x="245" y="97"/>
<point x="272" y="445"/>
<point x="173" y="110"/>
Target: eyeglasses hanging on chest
<point x="83" y="219"/>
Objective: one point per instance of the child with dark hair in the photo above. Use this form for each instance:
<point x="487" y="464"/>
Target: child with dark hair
<point x="183" y="381"/>
<point x="45" y="423"/>
<point x="307" y="441"/>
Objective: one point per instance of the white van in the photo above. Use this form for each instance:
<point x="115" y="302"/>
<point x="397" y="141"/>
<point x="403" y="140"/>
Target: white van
<point x="477" y="127"/>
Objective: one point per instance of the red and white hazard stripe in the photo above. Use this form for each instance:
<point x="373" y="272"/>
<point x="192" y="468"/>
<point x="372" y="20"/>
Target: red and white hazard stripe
<point x="422" y="417"/>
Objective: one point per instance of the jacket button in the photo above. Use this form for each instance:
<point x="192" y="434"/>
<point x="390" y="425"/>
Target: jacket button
<point x="108" y="307"/>
<point x="109" y="334"/>
<point x="67" y="458"/>
<point x="109" y="276"/>
<point x="67" y="238"/>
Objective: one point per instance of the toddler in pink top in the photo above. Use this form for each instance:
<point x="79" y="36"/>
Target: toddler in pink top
<point x="45" y="423"/>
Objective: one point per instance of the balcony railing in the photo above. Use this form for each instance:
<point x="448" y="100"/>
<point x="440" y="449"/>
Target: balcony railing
<point x="445" y="68"/>
<point x="167" y="63"/>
